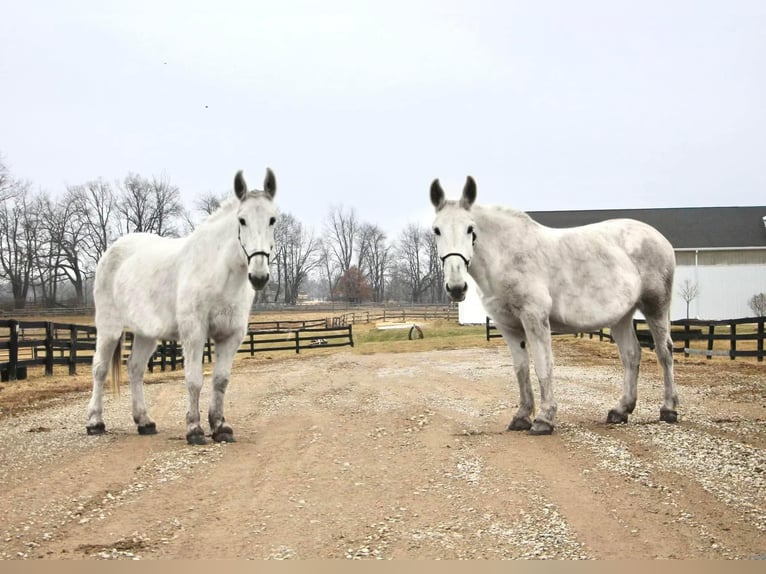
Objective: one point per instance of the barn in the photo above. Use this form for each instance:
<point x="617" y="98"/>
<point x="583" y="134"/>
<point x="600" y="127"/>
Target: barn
<point x="720" y="255"/>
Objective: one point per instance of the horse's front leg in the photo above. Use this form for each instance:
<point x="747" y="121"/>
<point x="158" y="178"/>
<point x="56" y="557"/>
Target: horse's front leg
<point x="522" y="420"/>
<point x="193" y="378"/>
<point x="225" y="350"/>
<point x="537" y="328"/>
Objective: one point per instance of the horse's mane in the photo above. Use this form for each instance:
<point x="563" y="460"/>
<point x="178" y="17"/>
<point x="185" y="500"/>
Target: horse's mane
<point x="502" y="210"/>
<point x="226" y="206"/>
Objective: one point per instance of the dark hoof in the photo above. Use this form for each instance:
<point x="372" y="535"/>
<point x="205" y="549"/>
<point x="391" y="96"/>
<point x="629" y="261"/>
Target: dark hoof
<point x="96" y="429"/>
<point x="149" y="428"/>
<point x="540" y="427"/>
<point x="223" y="434"/>
<point x="668" y="416"/>
<point x="520" y="424"/>
<point x="616" y="417"/>
<point x="197" y="436"/>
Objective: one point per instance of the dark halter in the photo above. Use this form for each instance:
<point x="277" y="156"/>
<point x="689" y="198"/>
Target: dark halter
<point x="254" y="253"/>
<point x="467" y="262"/>
<point x="463" y="257"/>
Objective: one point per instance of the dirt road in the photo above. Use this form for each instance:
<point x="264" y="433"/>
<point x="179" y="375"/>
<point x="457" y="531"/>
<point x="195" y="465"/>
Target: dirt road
<point x="346" y="455"/>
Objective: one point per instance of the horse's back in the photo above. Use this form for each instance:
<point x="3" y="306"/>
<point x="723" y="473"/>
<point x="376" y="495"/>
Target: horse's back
<point x="136" y="282"/>
<point x="604" y="270"/>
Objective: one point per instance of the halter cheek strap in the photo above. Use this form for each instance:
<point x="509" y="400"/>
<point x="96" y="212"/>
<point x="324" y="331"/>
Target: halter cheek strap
<point x="254" y="253"/>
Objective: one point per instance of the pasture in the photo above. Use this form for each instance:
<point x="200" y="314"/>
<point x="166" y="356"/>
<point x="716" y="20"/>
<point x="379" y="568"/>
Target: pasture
<point x="395" y="448"/>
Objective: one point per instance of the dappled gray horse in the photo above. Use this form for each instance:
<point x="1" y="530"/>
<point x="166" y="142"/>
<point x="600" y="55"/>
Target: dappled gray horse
<point x="534" y="279"/>
<point x="185" y="289"/>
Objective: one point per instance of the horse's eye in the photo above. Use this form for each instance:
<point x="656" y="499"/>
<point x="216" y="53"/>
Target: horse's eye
<point x="272" y="221"/>
<point x="242" y="221"/>
<point x="437" y="231"/>
<point x="470" y="229"/>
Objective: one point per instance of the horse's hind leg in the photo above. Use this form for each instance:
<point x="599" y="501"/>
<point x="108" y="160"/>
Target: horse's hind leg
<point x="225" y="350"/>
<point x="663" y="347"/>
<point x="630" y="354"/>
<point x="143" y="347"/>
<point x="106" y="344"/>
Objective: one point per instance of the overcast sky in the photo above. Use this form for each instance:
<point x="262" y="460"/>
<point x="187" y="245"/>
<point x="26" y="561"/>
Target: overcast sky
<point x="550" y="105"/>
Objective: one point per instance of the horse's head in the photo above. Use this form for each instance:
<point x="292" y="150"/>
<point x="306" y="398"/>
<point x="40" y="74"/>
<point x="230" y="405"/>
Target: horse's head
<point x="257" y="217"/>
<point x="455" y="236"/>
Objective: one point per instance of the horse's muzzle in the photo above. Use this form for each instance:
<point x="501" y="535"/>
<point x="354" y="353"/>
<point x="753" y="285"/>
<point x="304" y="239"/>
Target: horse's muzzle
<point x="258" y="281"/>
<point x="457" y="292"/>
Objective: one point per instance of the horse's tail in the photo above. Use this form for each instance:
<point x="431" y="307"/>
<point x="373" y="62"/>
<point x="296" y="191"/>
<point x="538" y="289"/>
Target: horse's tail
<point x="115" y="367"/>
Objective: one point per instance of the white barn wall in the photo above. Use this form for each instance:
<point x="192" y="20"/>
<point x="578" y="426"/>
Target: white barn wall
<point x="723" y="293"/>
<point x="470" y="311"/>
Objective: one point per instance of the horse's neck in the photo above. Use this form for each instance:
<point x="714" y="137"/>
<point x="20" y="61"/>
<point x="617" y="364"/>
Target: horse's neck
<point x="501" y="234"/>
<point x="218" y="233"/>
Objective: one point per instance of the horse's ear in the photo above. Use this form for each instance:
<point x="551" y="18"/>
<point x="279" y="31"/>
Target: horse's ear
<point x="270" y="183"/>
<point x="469" y="193"/>
<point x="437" y="195"/>
<point x="240" y="187"/>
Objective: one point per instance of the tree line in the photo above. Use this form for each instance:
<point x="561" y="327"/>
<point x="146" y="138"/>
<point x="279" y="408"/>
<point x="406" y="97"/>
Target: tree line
<point x="50" y="245"/>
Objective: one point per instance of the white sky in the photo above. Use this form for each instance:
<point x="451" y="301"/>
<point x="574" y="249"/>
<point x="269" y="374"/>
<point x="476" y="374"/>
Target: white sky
<point x="548" y="104"/>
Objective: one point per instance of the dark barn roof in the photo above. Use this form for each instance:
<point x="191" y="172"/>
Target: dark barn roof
<point x="685" y="227"/>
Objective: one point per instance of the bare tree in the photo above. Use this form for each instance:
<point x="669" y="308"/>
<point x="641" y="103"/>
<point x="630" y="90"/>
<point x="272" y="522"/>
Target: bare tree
<point x="758" y="304"/>
<point x="95" y="209"/>
<point x="208" y="202"/>
<point x="688" y="292"/>
<point x="7" y="187"/>
<point x="68" y="232"/>
<point x="297" y="255"/>
<point x="437" y="293"/>
<point x="152" y="206"/>
<point x="338" y="252"/>
<point x="414" y="268"/>
<point x="17" y="241"/>
<point x="374" y="259"/>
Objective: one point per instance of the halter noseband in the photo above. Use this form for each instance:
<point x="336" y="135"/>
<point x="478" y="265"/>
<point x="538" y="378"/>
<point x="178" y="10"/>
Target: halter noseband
<point x="254" y="253"/>
<point x="463" y="257"/>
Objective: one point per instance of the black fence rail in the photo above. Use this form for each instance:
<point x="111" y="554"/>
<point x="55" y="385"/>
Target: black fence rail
<point x="169" y="354"/>
<point x="33" y="343"/>
<point x="695" y="336"/>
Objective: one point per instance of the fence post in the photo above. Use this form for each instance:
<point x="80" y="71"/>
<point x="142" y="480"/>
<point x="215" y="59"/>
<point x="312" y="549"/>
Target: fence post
<point x="48" y="349"/>
<point x="13" y="349"/>
<point x="297" y="341"/>
<point x="174" y="352"/>
<point x="760" y="339"/>
<point x="686" y="339"/>
<point x="733" y="335"/>
<point x="710" y="332"/>
<point x="72" y="349"/>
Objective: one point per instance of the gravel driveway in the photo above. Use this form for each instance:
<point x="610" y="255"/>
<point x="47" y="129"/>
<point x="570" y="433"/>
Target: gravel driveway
<point x="346" y="455"/>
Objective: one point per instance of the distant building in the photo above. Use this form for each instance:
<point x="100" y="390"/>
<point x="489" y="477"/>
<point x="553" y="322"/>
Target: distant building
<point x="721" y="250"/>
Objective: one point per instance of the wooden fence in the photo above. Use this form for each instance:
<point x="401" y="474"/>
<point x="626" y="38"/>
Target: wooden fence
<point x="32" y="343"/>
<point x="695" y="336"/>
<point x="446" y="312"/>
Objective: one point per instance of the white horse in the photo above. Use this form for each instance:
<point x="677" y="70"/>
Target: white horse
<point x="534" y="279"/>
<point x="185" y="289"/>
